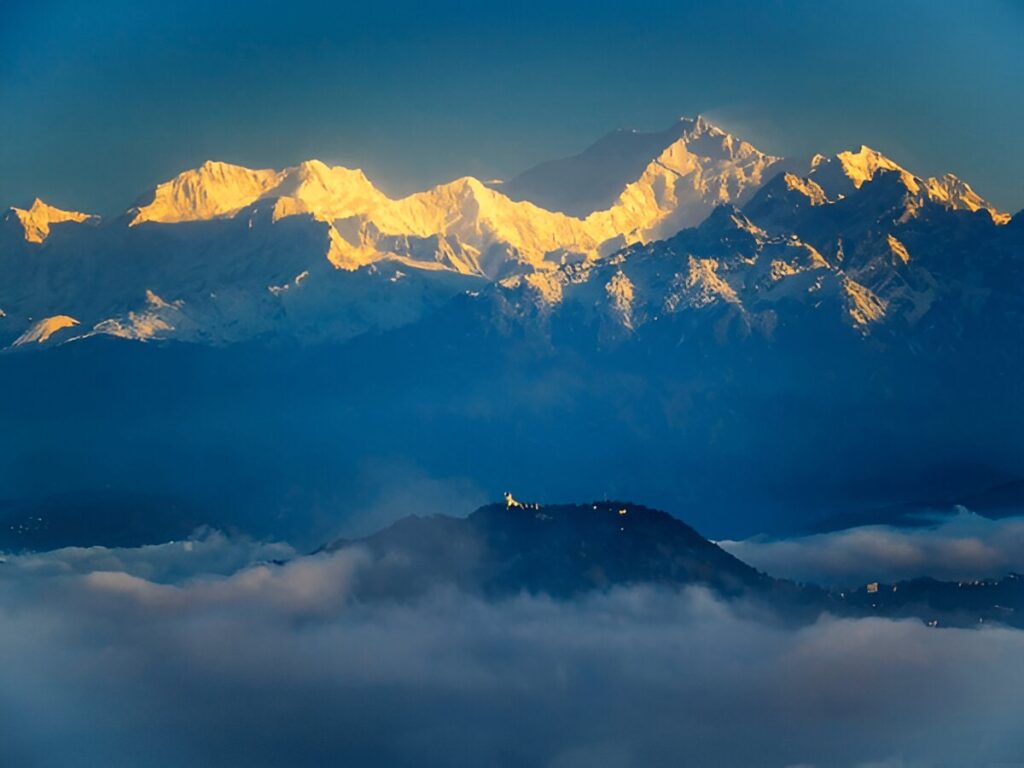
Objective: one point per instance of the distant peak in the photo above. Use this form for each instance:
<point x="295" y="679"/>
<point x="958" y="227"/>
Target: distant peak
<point x="464" y="184"/>
<point x="41" y="331"/>
<point x="866" y="155"/>
<point x="854" y="169"/>
<point x="954" y="192"/>
<point x="701" y="125"/>
<point x="702" y="122"/>
<point x="213" y="189"/>
<point x="314" y="166"/>
<point x="217" y="167"/>
<point x="39" y="217"/>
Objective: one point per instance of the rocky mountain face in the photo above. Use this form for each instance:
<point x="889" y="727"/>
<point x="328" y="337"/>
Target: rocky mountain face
<point x="883" y="260"/>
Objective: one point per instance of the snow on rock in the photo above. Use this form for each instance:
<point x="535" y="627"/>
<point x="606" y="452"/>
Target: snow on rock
<point x="864" y="306"/>
<point x="808" y="188"/>
<point x="472" y="228"/>
<point x="704" y="286"/>
<point x="41" y="331"/>
<point x="703" y="168"/>
<point x="861" y="166"/>
<point x="899" y="251"/>
<point x="547" y="285"/>
<point x="325" y="193"/>
<point x="621" y="293"/>
<point x="838" y="176"/>
<point x="472" y="213"/>
<point x="716" y="167"/>
<point x="957" y="194"/>
<point x="314" y="251"/>
<point x="213" y="189"/>
<point x="476" y="228"/>
<point x="37" y="220"/>
<point x="156" y="320"/>
<point x="364" y="222"/>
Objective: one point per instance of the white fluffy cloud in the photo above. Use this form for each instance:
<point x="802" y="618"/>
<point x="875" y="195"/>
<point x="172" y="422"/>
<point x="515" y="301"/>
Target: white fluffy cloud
<point x="965" y="546"/>
<point x="281" y="665"/>
<point x="207" y="552"/>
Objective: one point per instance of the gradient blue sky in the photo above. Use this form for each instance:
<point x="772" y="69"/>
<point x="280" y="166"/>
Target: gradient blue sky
<point x="99" y="101"/>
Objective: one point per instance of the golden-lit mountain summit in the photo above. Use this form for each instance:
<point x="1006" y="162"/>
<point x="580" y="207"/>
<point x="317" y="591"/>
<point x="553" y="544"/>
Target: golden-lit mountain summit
<point x="700" y="167"/>
<point x="37" y="220"/>
<point x="207" y="192"/>
<point x="850" y="170"/>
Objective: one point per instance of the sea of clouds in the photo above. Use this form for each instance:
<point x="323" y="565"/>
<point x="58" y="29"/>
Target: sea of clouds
<point x="209" y="652"/>
<point x="963" y="545"/>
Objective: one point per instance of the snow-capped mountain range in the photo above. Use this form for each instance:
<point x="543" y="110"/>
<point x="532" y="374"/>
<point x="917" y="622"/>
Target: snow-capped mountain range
<point x="637" y="227"/>
<point x="672" y="316"/>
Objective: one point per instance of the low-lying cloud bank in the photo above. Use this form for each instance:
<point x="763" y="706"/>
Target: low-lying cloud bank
<point x="964" y="546"/>
<point x="205" y="553"/>
<point x="172" y="657"/>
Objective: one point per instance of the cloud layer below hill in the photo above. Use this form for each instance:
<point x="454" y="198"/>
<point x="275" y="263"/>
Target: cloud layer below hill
<point x="178" y="655"/>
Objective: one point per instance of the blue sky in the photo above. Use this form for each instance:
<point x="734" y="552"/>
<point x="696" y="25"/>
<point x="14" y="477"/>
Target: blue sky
<point x="100" y="101"/>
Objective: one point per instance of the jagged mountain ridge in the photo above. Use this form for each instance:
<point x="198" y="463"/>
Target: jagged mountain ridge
<point x="692" y="160"/>
<point x="223" y="253"/>
<point x="217" y="281"/>
<point x="881" y="260"/>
